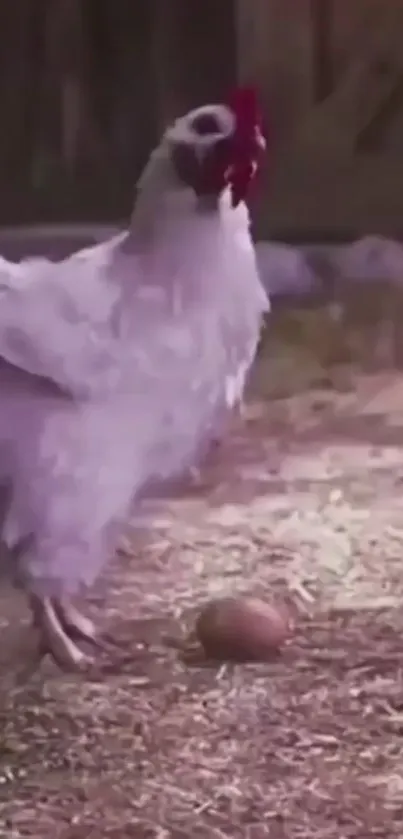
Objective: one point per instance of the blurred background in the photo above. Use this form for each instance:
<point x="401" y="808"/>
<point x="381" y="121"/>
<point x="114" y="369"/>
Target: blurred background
<point x="86" y="87"/>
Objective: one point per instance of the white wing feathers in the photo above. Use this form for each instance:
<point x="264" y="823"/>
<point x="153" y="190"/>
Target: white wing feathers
<point x="55" y="320"/>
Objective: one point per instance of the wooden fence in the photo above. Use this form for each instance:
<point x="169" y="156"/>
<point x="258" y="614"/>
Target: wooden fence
<point x="87" y="85"/>
<point x="331" y="76"/>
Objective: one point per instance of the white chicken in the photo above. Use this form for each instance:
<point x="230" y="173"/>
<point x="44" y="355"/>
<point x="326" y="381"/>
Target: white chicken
<point x="118" y="364"/>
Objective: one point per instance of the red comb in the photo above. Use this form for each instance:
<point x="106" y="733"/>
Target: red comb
<point x="244" y="103"/>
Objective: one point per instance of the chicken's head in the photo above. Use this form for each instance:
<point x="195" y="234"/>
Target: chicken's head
<point x="219" y="146"/>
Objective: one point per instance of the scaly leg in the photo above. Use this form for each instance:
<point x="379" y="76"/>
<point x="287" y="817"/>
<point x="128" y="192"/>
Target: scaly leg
<point x="59" y="624"/>
<point x="81" y="628"/>
<point x="77" y="626"/>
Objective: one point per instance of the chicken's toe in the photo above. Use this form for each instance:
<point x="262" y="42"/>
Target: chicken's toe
<point x="55" y="640"/>
<point x="81" y="628"/>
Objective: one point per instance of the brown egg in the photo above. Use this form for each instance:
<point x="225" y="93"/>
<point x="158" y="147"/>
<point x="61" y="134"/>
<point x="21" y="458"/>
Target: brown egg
<point x="242" y="629"/>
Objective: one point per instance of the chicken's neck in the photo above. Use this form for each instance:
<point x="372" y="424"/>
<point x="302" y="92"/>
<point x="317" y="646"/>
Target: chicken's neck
<point x="165" y="207"/>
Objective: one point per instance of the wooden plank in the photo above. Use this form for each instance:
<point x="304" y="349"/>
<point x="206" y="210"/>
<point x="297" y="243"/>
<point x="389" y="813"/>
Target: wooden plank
<point x="351" y="198"/>
<point x="275" y="50"/>
<point x="351" y="26"/>
<point x="348" y="31"/>
<point x="322" y="17"/>
<point x="372" y="78"/>
<point x="333" y="128"/>
<point x="324" y="184"/>
<point x="194" y="53"/>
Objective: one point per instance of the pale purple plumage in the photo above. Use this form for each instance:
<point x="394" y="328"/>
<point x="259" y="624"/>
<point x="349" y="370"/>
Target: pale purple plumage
<point x="119" y="365"/>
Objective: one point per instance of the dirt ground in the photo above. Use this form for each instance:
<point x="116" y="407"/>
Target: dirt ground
<point x="304" y="500"/>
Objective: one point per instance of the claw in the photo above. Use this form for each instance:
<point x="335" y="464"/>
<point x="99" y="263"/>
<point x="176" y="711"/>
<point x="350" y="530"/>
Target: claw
<point x="81" y="628"/>
<point x="61" y="625"/>
<point x="77" y="626"/>
<point x="55" y="639"/>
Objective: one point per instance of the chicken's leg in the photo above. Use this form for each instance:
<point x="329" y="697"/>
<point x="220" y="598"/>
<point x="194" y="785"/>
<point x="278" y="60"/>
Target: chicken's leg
<point x="77" y="626"/>
<point x="58" y="632"/>
<point x="81" y="628"/>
